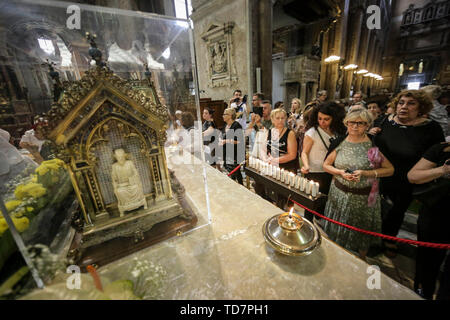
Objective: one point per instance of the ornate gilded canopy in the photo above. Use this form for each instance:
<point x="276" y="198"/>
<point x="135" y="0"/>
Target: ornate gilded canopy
<point x="98" y="114"/>
<point x="83" y="98"/>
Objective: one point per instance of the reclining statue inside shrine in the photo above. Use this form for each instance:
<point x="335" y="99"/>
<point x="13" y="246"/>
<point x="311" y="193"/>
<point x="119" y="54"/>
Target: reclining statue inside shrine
<point x="127" y="184"/>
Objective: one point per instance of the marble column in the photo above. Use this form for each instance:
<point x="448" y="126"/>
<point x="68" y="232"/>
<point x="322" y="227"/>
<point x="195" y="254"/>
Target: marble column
<point x="264" y="52"/>
<point x="352" y="50"/>
<point x="315" y="86"/>
<point x="323" y="65"/>
<point x="358" y="83"/>
<point x="303" y="93"/>
<point x="362" y="51"/>
<point x="331" y="74"/>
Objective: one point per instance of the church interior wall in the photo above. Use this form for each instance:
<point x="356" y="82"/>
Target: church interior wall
<point x="218" y="13"/>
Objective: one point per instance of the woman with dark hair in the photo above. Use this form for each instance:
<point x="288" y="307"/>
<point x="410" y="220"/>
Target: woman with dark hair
<point x="209" y="135"/>
<point x="279" y="104"/>
<point x="403" y="137"/>
<point x="324" y="124"/>
<point x="233" y="144"/>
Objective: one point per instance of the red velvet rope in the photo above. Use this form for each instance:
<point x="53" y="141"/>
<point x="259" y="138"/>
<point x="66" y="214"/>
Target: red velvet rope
<point x="375" y="234"/>
<point x="235" y="169"/>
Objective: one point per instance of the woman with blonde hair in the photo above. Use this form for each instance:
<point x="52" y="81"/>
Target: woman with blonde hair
<point x="280" y="148"/>
<point x="296" y="123"/>
<point x="353" y="197"/>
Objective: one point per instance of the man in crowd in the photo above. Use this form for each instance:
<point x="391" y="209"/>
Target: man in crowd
<point x="238" y="103"/>
<point x="267" y="109"/>
<point x="358" y="98"/>
<point x="257" y="122"/>
<point x="257" y="102"/>
<point x="255" y="118"/>
<point x="322" y="96"/>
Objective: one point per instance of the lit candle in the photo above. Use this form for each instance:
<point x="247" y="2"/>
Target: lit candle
<point x="282" y="175"/>
<point x="297" y="182"/>
<point x="286" y="176"/>
<point x="303" y="184"/>
<point x="292" y="179"/>
<point x="278" y="174"/>
<point x="309" y="187"/>
<point x="290" y="213"/>
<point x="314" y="189"/>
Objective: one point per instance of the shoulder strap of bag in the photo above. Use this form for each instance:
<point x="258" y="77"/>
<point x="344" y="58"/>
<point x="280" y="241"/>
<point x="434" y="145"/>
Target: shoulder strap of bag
<point x="335" y="143"/>
<point x="321" y="138"/>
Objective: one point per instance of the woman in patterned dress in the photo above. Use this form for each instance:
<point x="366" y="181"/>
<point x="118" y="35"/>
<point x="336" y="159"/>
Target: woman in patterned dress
<point x="353" y="198"/>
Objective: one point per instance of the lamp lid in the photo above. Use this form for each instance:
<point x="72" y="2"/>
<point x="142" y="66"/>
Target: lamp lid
<point x="292" y="235"/>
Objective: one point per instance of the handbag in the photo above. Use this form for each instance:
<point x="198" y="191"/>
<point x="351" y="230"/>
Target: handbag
<point x="432" y="192"/>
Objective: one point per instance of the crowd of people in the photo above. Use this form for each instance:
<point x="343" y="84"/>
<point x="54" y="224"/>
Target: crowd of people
<point x="372" y="158"/>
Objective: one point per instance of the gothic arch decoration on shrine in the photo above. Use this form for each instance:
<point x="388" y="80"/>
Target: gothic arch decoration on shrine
<point x="219" y="47"/>
<point x="98" y="114"/>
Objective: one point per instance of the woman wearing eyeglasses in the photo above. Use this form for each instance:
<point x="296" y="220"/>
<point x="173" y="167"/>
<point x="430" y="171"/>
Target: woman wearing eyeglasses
<point x="233" y="144"/>
<point x="404" y="137"/>
<point x="353" y="197"/>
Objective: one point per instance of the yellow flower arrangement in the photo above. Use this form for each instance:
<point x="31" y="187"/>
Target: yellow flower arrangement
<point x="3" y="225"/>
<point x="41" y="170"/>
<point x="21" y="224"/>
<point x="49" y="165"/>
<point x="13" y="204"/>
<point x="31" y="189"/>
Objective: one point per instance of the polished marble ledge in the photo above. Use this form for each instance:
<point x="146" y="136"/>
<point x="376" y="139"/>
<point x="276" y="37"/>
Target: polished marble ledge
<point x="226" y="256"/>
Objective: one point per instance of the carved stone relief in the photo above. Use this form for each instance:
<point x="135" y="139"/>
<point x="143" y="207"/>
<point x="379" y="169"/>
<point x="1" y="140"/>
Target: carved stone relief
<point x="221" y="69"/>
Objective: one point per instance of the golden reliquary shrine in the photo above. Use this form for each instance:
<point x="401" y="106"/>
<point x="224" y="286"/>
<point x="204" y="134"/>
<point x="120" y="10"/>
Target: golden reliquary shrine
<point x="111" y="136"/>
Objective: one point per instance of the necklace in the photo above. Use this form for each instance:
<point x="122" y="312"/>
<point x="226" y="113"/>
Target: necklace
<point x="357" y="139"/>
<point x="408" y="123"/>
<point x="281" y="133"/>
<point x="328" y="131"/>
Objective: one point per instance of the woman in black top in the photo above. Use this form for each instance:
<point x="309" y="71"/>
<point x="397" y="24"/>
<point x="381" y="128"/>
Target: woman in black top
<point x="233" y="144"/>
<point x="281" y="147"/>
<point x="403" y="137"/>
<point x="433" y="224"/>
<point x="209" y="135"/>
<point x="281" y="143"/>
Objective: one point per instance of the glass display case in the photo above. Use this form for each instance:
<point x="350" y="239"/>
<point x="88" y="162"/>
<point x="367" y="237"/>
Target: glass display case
<point x="90" y="97"/>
